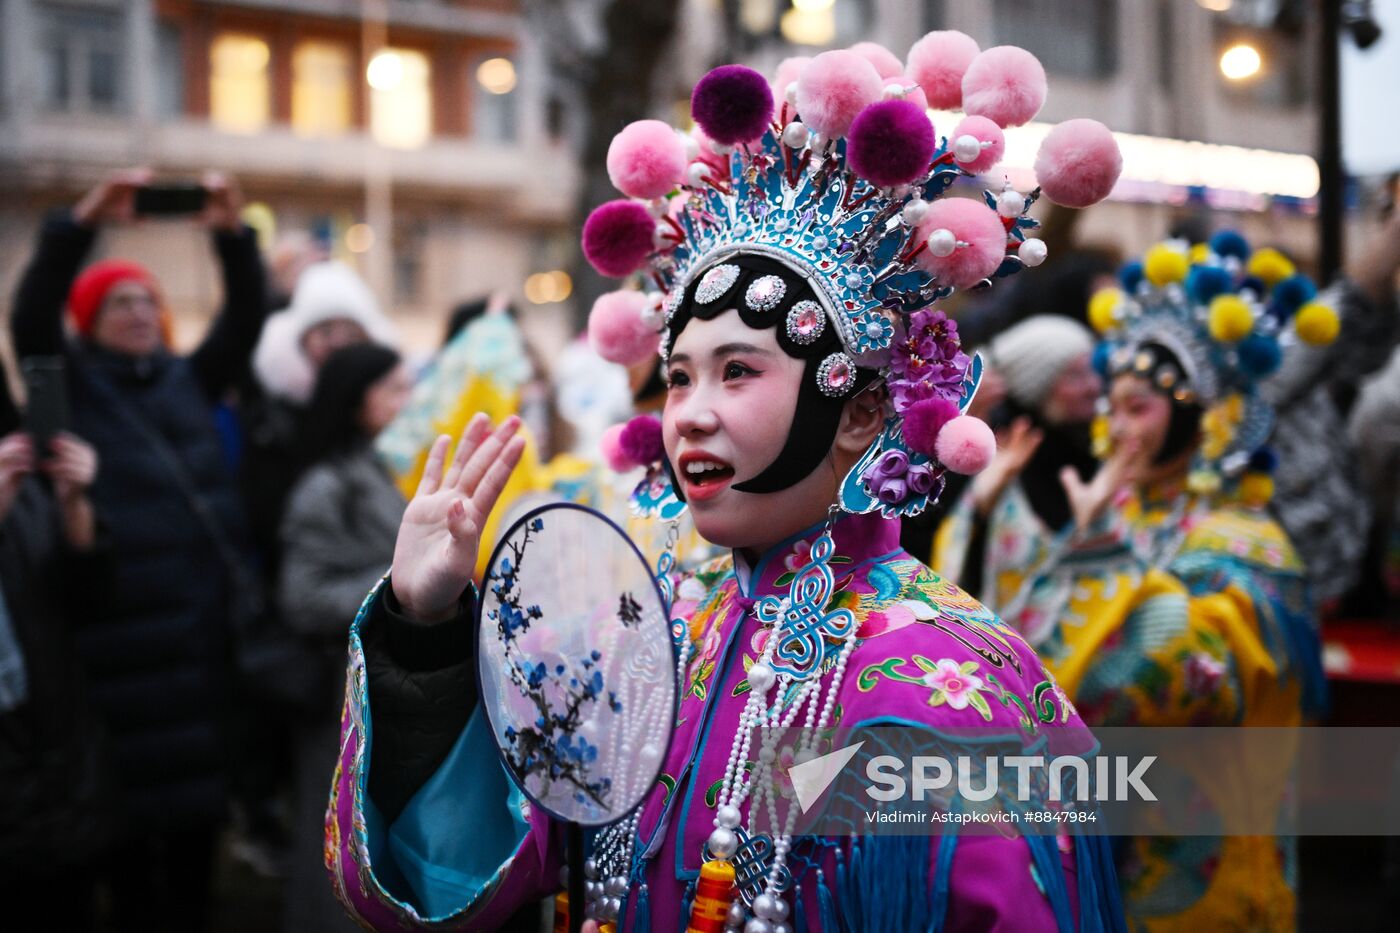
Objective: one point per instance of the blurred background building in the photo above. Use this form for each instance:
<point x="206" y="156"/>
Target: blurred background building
<point x="439" y="144"/>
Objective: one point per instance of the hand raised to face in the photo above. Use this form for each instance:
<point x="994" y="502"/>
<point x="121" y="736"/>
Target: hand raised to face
<point x="435" y="554"/>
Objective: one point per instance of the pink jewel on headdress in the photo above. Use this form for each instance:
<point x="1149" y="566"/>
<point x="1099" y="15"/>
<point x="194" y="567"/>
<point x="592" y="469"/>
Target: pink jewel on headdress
<point x="805" y="322"/>
<point x="836" y="375"/>
<point x="764" y="293"/>
<point x="716" y="282"/>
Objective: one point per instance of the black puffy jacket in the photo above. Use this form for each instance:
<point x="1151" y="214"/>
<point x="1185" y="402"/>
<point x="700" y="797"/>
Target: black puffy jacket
<point x="158" y="651"/>
<point x="56" y="791"/>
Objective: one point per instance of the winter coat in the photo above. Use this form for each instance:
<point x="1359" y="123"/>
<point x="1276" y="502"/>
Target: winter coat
<point x="337" y="538"/>
<point x="158" y="651"/>
<point x="56" y="791"/>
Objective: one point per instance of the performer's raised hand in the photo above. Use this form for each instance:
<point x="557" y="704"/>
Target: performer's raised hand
<point x="435" y="554"/>
<point x="1087" y="501"/>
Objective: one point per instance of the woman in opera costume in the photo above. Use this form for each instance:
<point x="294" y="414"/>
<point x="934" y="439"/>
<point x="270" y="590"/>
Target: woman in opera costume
<point x="1175" y="599"/>
<point x="814" y="398"/>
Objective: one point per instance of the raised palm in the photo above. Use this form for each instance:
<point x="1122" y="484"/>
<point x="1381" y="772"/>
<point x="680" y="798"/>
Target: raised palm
<point x="435" y="554"/>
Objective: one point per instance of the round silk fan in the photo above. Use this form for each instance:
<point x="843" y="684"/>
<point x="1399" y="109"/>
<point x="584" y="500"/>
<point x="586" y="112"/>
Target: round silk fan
<point x="576" y="664"/>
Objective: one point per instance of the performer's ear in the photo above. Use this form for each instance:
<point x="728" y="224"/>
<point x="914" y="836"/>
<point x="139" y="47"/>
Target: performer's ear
<point x="861" y="421"/>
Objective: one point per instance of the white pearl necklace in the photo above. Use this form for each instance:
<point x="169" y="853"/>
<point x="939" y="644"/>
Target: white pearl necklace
<point x="770" y="910"/>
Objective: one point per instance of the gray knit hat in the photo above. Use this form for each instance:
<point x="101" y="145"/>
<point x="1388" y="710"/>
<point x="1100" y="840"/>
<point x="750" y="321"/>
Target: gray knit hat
<point x="1031" y="355"/>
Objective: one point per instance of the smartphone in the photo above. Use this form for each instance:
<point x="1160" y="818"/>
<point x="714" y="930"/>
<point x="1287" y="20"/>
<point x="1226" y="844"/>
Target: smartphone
<point x="46" y="410"/>
<point x="156" y="200"/>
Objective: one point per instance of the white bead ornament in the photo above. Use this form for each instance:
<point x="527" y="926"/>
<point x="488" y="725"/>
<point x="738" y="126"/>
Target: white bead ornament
<point x="942" y="242"/>
<point x="1010" y="203"/>
<point x="760" y="678"/>
<point x="796" y="134"/>
<point x="914" y="212"/>
<point x="1032" y="251"/>
<point x="893" y="92"/>
<point x="790" y="93"/>
<point x="967" y="148"/>
<point x="695" y="175"/>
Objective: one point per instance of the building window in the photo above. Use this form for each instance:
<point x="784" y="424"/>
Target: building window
<point x="401" y="100"/>
<point x="170" y="71"/>
<point x="321" y="74"/>
<point x="240" y="98"/>
<point x="83" y="55"/>
<point x="494" y="100"/>
<point x="1077" y="38"/>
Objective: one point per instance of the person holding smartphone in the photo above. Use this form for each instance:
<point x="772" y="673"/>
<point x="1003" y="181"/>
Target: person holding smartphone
<point x="157" y="648"/>
<point x="56" y="813"/>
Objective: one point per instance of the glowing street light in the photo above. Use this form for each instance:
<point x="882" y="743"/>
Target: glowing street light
<point x="385" y="71"/>
<point x="496" y="75"/>
<point x="1240" y="61"/>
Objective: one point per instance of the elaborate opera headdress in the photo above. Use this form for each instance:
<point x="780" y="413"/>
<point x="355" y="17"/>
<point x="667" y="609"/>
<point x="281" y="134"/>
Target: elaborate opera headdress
<point x="1205" y="325"/>
<point x="827" y="215"/>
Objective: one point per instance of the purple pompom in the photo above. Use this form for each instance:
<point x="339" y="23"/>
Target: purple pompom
<point x="923" y="420"/>
<point x="732" y="104"/>
<point x="890" y="143"/>
<point x="641" y="440"/>
<point x="618" y="236"/>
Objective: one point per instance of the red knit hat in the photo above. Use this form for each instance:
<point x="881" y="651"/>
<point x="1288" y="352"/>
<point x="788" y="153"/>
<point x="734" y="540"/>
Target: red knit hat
<point x="91" y="288"/>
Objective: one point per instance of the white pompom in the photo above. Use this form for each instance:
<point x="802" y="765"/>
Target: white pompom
<point x="942" y="242"/>
<point x="893" y="92"/>
<point x="661" y="236"/>
<point x="1032" y="252"/>
<point x="695" y="175"/>
<point x="790" y="93"/>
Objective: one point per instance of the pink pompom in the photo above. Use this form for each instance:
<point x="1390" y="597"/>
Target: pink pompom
<point x="640" y="441"/>
<point x="890" y="143"/>
<point x="887" y="65"/>
<point x="610" y="445"/>
<point x="789" y="69"/>
<point x="616" y="330"/>
<point x="646" y="160"/>
<point x="966" y="445"/>
<point x="973" y="223"/>
<point x="1078" y="163"/>
<point x="618" y="237"/>
<point x="1005" y="84"/>
<point x="924" y="420"/>
<point x="833" y="88"/>
<point x="937" y="62"/>
<point x="987" y="132"/>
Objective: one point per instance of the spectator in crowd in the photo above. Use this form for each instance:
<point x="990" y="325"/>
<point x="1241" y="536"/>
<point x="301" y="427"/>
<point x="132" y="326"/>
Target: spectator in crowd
<point x="1015" y="507"/>
<point x="57" y="810"/>
<point x="157" y="649"/>
<point x="1319" y="498"/>
<point x="332" y="307"/>
<point x="338" y="540"/>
